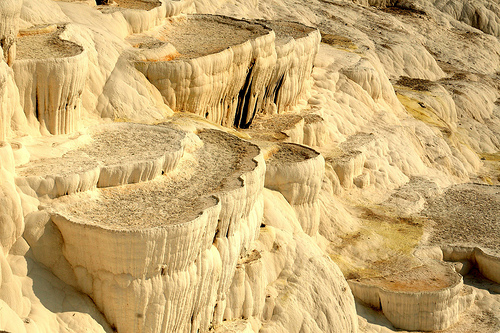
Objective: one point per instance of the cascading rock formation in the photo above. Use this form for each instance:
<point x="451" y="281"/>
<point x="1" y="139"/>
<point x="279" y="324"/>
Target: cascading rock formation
<point x="249" y="166"/>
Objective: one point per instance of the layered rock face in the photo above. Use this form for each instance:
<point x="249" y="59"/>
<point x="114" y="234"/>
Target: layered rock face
<point x="239" y="70"/>
<point x="296" y="48"/>
<point x="145" y="15"/>
<point x="97" y="164"/>
<point x="181" y="256"/>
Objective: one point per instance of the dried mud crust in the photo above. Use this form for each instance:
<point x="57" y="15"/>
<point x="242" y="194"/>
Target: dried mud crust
<point x="175" y="198"/>
<point x="418" y="279"/>
<point x="129" y="4"/>
<point x="291" y="153"/>
<point x="46" y="46"/>
<point x="111" y="145"/>
<point x="145" y="42"/>
<point x="467" y="214"/>
<point x="286" y="29"/>
<point x="415" y="84"/>
<point x="200" y="35"/>
<point x="73" y="162"/>
<point x="272" y="128"/>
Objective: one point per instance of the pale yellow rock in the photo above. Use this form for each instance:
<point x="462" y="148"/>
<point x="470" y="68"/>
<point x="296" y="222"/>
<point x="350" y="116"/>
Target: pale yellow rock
<point x="175" y="272"/>
<point x="10" y="11"/>
<point x="417" y="306"/>
<point x="105" y="160"/>
<point x="297" y="173"/>
<point x="50" y="88"/>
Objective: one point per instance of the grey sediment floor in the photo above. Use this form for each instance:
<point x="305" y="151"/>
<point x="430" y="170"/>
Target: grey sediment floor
<point x="291" y="153"/>
<point x="110" y="146"/>
<point x="200" y="35"/>
<point x="284" y="30"/>
<point x="467" y="214"/>
<point x="175" y="198"/>
<point x="45" y="46"/>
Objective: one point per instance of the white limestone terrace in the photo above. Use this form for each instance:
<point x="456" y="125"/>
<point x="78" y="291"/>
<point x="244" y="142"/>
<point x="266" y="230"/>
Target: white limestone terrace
<point x="145" y="15"/>
<point x="50" y="73"/>
<point x="167" y="200"/>
<point x="229" y="70"/>
<point x="291" y="153"/>
<point x="200" y="35"/>
<point x="466" y="215"/>
<point x="296" y="49"/>
<point x="43" y="42"/>
<point x="170" y="245"/>
<point x="428" y="297"/>
<point x="220" y="71"/>
<point x="129" y="4"/>
<point x="306" y="128"/>
<point x="119" y="153"/>
<point x="297" y="172"/>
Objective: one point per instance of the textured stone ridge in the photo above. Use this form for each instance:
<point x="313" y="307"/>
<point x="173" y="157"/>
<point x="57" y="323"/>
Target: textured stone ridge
<point x="296" y="49"/>
<point x="146" y="15"/>
<point x="9" y="26"/>
<point x="297" y="172"/>
<point x="227" y="86"/>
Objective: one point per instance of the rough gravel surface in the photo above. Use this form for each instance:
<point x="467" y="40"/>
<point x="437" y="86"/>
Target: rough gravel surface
<point x="110" y="146"/>
<point x="285" y="30"/>
<point x="175" y="198"/>
<point x="200" y="35"/>
<point x="45" y="46"/>
<point x="291" y="153"/>
<point x="467" y="214"/>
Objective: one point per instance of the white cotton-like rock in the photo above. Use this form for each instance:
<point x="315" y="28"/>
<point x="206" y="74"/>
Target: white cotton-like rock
<point x="39" y="12"/>
<point x="488" y="264"/>
<point x="296" y="48"/>
<point x="483" y="15"/>
<point x="256" y="73"/>
<point x="11" y="220"/>
<point x="21" y="154"/>
<point x="226" y="86"/>
<point x="9" y="320"/>
<point x="170" y="273"/>
<point x="12" y="118"/>
<point x="289" y="284"/>
<point x="144" y="20"/>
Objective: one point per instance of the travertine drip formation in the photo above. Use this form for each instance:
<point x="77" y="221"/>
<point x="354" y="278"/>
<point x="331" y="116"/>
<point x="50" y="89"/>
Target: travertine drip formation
<point x="297" y="172"/>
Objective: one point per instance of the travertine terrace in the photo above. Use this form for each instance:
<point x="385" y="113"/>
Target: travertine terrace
<point x="249" y="166"/>
<point x="232" y="69"/>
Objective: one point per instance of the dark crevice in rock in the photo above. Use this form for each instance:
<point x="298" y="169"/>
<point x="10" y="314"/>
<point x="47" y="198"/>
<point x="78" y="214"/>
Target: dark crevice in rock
<point x="240" y="119"/>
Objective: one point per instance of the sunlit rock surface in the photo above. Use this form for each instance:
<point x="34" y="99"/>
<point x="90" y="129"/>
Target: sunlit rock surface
<point x="249" y="166"/>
